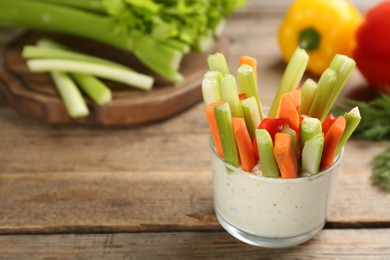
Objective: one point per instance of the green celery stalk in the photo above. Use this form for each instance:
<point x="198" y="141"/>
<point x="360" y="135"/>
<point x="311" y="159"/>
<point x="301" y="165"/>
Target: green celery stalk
<point x="93" y="87"/>
<point x="229" y="94"/>
<point x="248" y="85"/>
<point x="312" y="153"/>
<point x="307" y="95"/>
<point x="251" y="115"/>
<point x="352" y="119"/>
<point x="211" y="91"/>
<point x="269" y="168"/>
<point x="324" y="90"/>
<point x="160" y="57"/>
<point x="217" y="62"/>
<point x="343" y="65"/>
<point x="213" y="75"/>
<point x="291" y="77"/>
<point x="228" y="141"/>
<point x="90" y="5"/>
<point x="310" y="127"/>
<point x="287" y="130"/>
<point x="125" y="76"/>
<point x="70" y="95"/>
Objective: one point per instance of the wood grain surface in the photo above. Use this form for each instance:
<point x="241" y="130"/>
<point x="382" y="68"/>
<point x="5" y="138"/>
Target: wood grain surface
<point x="144" y="192"/>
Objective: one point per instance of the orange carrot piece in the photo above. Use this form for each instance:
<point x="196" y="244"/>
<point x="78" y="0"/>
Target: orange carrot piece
<point x="331" y="141"/>
<point x="212" y="121"/>
<point x="285" y="156"/>
<point x="244" y="144"/>
<point x="242" y="96"/>
<point x="251" y="62"/>
<point x="295" y="97"/>
<point x="287" y="110"/>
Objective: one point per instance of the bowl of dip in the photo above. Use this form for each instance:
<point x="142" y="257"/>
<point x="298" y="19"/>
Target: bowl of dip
<point x="271" y="212"/>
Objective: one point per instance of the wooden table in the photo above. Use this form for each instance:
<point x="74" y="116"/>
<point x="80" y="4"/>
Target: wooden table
<point x="146" y="192"/>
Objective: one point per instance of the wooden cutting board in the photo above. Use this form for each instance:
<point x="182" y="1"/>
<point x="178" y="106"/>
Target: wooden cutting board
<point x="34" y="94"/>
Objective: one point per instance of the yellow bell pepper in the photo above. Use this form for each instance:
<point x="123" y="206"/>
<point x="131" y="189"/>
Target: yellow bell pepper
<point x="322" y="27"/>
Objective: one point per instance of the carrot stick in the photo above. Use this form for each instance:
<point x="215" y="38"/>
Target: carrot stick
<point x="244" y="144"/>
<point x="251" y="62"/>
<point x="285" y="156"/>
<point x="331" y="141"/>
<point x="287" y="110"/>
<point x="295" y="97"/>
<point x="212" y="121"/>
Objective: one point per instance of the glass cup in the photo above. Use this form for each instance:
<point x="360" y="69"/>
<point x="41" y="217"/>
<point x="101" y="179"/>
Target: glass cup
<point x="271" y="212"/>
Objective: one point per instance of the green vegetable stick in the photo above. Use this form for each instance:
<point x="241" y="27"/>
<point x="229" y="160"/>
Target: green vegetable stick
<point x="352" y="119"/>
<point x="310" y="127"/>
<point x="312" y="153"/>
<point x="265" y="146"/>
<point x="213" y="75"/>
<point x="93" y="87"/>
<point x="324" y="90"/>
<point x="251" y="115"/>
<point x="307" y="95"/>
<point x="217" y="62"/>
<point x="343" y="65"/>
<point x="287" y="130"/>
<point x="70" y="95"/>
<point x="211" y="91"/>
<point x="248" y="85"/>
<point x="229" y="94"/>
<point x="291" y="77"/>
<point x="125" y="76"/>
<point x="228" y="141"/>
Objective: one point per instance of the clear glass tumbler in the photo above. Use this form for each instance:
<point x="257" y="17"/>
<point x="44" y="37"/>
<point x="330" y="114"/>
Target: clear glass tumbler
<point x="271" y="212"/>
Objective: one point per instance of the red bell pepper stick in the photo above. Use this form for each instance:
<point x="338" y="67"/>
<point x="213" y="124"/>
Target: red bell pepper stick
<point x="273" y="126"/>
<point x="328" y="121"/>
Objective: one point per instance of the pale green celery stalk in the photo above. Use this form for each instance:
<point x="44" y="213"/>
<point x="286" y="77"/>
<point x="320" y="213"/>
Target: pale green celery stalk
<point x="291" y="77"/>
<point x="160" y="57"/>
<point x="229" y="94"/>
<point x="312" y="153"/>
<point x="213" y="75"/>
<point x="352" y="119"/>
<point x="251" y="115"/>
<point x="32" y="52"/>
<point x="287" y="130"/>
<point x="70" y="95"/>
<point x="124" y="76"/>
<point x="310" y="127"/>
<point x="308" y="91"/>
<point x="248" y="85"/>
<point x="343" y="65"/>
<point x="217" y="62"/>
<point x="324" y="90"/>
<point x="90" y="5"/>
<point x="228" y="141"/>
<point x="50" y="44"/>
<point x="93" y="87"/>
<point x="211" y="91"/>
<point x="204" y="42"/>
<point x="269" y="168"/>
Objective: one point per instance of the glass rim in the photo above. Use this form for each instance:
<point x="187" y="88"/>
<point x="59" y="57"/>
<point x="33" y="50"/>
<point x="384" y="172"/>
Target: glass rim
<point x="247" y="174"/>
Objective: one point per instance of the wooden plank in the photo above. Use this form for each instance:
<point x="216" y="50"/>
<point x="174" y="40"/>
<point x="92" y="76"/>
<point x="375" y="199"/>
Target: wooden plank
<point x="329" y="244"/>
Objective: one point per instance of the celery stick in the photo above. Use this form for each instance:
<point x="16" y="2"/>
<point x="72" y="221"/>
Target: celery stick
<point x="291" y="77"/>
<point x="125" y="76"/>
<point x="211" y="91"/>
<point x="310" y="127"/>
<point x="32" y="52"/>
<point x="265" y="147"/>
<point x="251" y="115"/>
<point x="213" y="75"/>
<point x="217" y="62"/>
<point x="70" y="95"/>
<point x="225" y="126"/>
<point x="93" y="87"/>
<point x="287" y="130"/>
<point x="324" y="90"/>
<point x="307" y="95"/>
<point x="204" y="42"/>
<point x="229" y="94"/>
<point x="312" y="153"/>
<point x="352" y="119"/>
<point x="248" y="85"/>
<point x="343" y="65"/>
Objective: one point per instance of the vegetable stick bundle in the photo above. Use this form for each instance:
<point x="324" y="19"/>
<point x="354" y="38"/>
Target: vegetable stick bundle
<point x="298" y="137"/>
